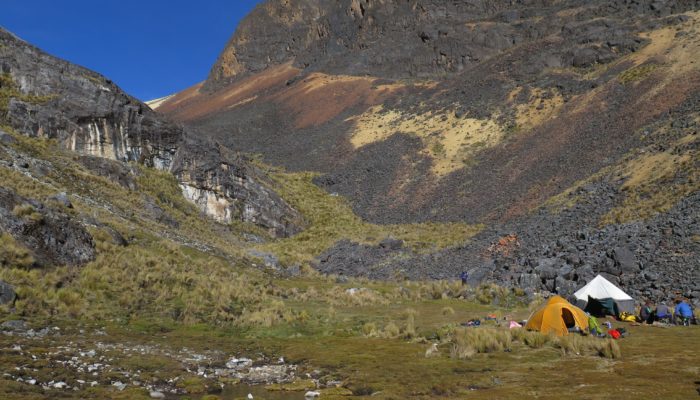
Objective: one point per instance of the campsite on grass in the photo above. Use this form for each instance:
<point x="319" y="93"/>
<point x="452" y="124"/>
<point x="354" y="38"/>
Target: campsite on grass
<point x="369" y="340"/>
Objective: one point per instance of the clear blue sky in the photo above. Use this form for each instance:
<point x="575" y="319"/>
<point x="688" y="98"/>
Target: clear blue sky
<point x="151" y="48"/>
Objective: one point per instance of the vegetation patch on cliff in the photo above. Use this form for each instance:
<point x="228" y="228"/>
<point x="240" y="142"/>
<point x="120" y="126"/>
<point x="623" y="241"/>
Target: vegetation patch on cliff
<point x="9" y="90"/>
<point x="330" y="219"/>
<point x="449" y="138"/>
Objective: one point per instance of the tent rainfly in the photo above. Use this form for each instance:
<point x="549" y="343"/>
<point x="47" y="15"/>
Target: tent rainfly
<point x="557" y="316"/>
<point x="602" y="289"/>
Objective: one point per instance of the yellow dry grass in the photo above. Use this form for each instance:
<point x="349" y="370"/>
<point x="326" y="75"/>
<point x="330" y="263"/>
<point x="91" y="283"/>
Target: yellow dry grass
<point x="650" y="184"/>
<point x="540" y="108"/>
<point x="448" y="140"/>
<point x="679" y="55"/>
<point x="650" y="168"/>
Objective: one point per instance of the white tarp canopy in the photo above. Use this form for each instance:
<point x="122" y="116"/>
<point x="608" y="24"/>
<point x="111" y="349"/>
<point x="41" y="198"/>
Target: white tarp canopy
<point x="601" y="288"/>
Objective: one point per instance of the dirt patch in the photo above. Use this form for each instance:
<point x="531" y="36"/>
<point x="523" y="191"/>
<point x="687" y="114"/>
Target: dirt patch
<point x="319" y="98"/>
<point x="193" y="104"/>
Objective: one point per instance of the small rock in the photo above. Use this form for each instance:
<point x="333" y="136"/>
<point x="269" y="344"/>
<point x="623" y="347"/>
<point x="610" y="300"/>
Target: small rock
<point x="62" y="199"/>
<point x="239" y="363"/>
<point x="6" y="138"/>
<point x="312" y="395"/>
<point x="7" y="293"/>
<point x="119" y="385"/>
<point x="432" y="351"/>
<point x="157" y="395"/>
<point x="15" y="325"/>
<point x="60" y="385"/>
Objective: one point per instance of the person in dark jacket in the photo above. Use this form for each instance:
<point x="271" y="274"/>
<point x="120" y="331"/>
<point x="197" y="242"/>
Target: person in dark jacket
<point x="646" y="313"/>
<point x="464" y="277"/>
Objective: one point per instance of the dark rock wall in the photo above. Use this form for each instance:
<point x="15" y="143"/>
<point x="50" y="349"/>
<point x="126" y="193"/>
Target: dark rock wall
<point x="51" y="235"/>
<point x="425" y="38"/>
<point x="84" y="111"/>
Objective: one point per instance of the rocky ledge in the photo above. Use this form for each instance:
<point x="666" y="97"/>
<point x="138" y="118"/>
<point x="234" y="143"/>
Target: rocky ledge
<point x="46" y="97"/>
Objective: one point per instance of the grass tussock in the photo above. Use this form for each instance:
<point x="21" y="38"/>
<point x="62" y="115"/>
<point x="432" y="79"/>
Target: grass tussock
<point x="467" y="342"/>
<point x="162" y="281"/>
<point x="637" y="73"/>
<point x="583" y="345"/>
<point x="13" y="254"/>
<point x="448" y="311"/>
<point x="409" y="331"/>
<point x="27" y="211"/>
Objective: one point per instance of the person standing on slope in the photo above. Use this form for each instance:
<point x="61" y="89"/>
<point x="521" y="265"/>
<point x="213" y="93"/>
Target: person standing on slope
<point x="464" y="276"/>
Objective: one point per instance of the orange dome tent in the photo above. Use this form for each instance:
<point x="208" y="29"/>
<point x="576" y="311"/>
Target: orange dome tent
<point x="557" y="316"/>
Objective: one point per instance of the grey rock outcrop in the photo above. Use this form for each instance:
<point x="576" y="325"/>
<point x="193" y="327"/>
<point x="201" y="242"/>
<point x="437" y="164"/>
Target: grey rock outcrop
<point x="117" y="172"/>
<point x="227" y="188"/>
<point x="89" y="114"/>
<point x="7" y="293"/>
<point x="400" y="39"/>
<point x="81" y="109"/>
<point x="559" y="259"/>
<point x="52" y="237"/>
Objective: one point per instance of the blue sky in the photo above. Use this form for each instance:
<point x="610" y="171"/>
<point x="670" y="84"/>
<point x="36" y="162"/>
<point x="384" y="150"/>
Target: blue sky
<point x="151" y="48"/>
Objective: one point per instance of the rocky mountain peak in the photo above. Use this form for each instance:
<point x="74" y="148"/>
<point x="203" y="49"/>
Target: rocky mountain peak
<point x="428" y="38"/>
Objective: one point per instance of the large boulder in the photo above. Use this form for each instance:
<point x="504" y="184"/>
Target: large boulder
<point x="625" y="259"/>
<point x="529" y="281"/>
<point x="564" y="287"/>
<point x="547" y="268"/>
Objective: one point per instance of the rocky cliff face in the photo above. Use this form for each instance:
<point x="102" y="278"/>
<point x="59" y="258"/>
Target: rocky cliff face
<point x="419" y="38"/>
<point x="52" y="236"/>
<point x="45" y="97"/>
<point x="229" y="188"/>
<point x="84" y="111"/>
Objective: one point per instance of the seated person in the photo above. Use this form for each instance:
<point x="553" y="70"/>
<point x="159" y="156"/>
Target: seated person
<point x="662" y="312"/>
<point x="683" y="312"/>
<point x="646" y="313"/>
